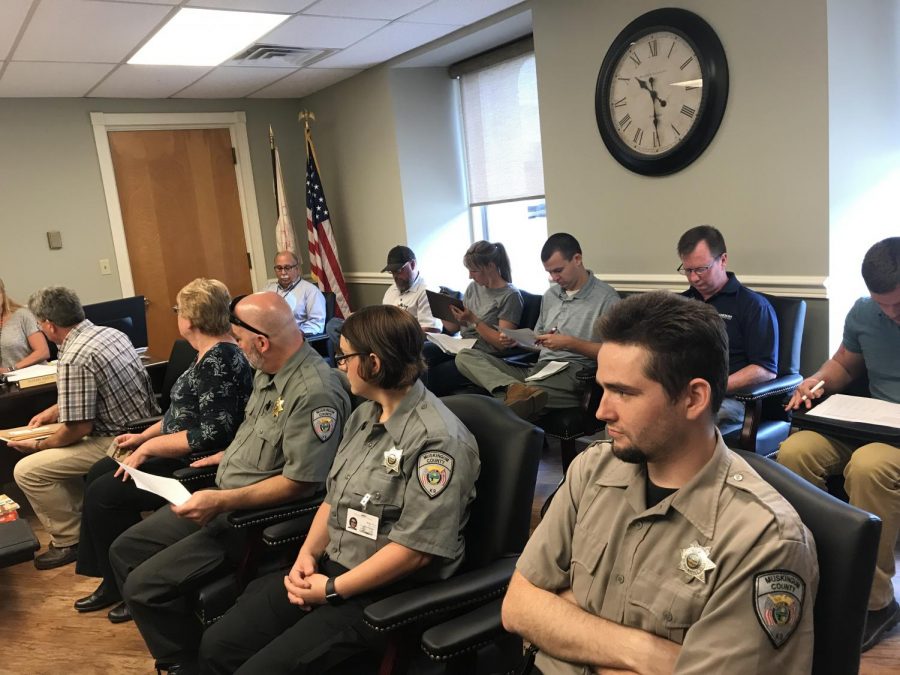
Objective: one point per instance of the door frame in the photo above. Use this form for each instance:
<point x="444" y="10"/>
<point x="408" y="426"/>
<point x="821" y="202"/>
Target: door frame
<point x="236" y="123"/>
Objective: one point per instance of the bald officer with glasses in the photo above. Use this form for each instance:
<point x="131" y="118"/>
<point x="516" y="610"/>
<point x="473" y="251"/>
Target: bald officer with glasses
<point x="282" y="451"/>
<point x="749" y="318"/>
<point x="305" y="300"/>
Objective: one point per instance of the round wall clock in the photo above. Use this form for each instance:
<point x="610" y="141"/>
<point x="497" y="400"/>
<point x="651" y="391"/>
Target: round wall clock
<point x="661" y="91"/>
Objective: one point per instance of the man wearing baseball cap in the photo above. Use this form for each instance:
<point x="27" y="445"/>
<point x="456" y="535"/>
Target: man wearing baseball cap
<point x="407" y="292"/>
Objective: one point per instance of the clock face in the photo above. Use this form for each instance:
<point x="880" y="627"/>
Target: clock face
<point x="661" y="91"/>
<point x="656" y="93"/>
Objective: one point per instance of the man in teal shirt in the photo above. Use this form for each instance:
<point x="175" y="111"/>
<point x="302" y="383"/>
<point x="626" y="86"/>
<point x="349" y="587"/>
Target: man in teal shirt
<point x="871" y="345"/>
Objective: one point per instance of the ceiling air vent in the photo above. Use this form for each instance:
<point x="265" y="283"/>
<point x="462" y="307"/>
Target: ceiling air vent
<point x="276" y="56"/>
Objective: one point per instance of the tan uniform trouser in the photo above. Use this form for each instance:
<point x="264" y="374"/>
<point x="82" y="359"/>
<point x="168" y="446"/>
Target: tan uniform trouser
<point x="53" y="481"/>
<point x="871" y="479"/>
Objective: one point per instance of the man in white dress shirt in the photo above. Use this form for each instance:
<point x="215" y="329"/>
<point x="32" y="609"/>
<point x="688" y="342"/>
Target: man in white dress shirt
<point x="306" y="301"/>
<point x="407" y="292"/>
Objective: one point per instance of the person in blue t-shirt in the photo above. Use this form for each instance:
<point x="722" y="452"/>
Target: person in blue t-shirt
<point x="871" y="345"/>
<point x="749" y="318"/>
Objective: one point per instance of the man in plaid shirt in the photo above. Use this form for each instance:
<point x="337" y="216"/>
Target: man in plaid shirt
<point x="101" y="386"/>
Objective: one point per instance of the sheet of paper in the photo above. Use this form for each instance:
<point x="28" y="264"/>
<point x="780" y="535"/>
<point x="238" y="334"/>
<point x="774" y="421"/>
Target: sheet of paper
<point x="859" y="409"/>
<point x="167" y="488"/>
<point x="32" y="371"/>
<point x="551" y="368"/>
<point x="450" y="344"/>
<point x="524" y="337"/>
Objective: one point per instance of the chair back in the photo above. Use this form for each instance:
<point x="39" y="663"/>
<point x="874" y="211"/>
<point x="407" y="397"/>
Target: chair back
<point x="330" y="302"/>
<point x="532" y="309"/>
<point x="847" y="544"/>
<point x="180" y="359"/>
<point x="791" y="315"/>
<point x="510" y="451"/>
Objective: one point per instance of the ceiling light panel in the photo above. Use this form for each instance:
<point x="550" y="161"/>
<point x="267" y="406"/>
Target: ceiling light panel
<point x="204" y="37"/>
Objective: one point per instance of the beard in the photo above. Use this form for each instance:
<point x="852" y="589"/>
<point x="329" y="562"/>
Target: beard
<point x="254" y="358"/>
<point x="633" y="455"/>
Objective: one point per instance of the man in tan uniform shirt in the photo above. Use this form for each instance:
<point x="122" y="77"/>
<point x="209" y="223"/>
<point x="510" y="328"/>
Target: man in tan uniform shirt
<point x="663" y="550"/>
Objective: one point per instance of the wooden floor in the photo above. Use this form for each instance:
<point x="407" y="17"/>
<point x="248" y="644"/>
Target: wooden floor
<point x="40" y="633"/>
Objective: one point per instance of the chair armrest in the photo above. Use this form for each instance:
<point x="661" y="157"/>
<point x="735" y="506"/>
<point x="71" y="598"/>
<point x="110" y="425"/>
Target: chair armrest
<point x="464" y="633"/>
<point x="439" y="600"/>
<point x="137" y="426"/>
<point x="291" y="531"/>
<point x="196" y="478"/>
<point x="275" y="514"/>
<point x="780" y="386"/>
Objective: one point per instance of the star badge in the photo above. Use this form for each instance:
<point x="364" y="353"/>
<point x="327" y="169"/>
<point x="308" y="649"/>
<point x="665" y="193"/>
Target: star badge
<point x="695" y="561"/>
<point x="279" y="407"/>
<point x="392" y="459"/>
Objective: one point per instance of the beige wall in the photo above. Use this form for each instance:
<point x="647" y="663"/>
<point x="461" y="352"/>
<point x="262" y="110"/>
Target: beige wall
<point x="356" y="145"/>
<point x="50" y="180"/>
<point x="763" y="179"/>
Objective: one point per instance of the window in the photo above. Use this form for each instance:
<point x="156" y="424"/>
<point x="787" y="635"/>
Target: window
<point x="501" y="126"/>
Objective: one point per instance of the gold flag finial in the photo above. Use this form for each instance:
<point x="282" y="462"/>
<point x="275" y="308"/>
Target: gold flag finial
<point x="307" y="116"/>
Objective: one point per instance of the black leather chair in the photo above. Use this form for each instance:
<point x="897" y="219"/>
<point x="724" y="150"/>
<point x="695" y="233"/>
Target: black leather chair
<point x="496" y="533"/>
<point x="320" y="342"/>
<point x="180" y="359"/>
<point x="766" y="424"/>
<point x="846" y="543"/>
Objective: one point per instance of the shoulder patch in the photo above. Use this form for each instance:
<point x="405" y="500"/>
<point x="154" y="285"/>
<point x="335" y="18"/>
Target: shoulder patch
<point x="324" y="422"/>
<point x="434" y="470"/>
<point x="778" y="603"/>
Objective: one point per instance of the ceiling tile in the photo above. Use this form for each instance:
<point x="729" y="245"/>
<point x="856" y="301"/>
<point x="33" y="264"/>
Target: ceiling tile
<point x="39" y="79"/>
<point x="283" y="6"/>
<point x="394" y="39"/>
<point x="148" y="81"/>
<point x="321" y="31"/>
<point x="305" y="82"/>
<point x="233" y="82"/>
<point x="79" y="30"/>
<point x="151" y="2"/>
<point x="12" y="13"/>
<point x="461" y="12"/>
<point x="366" y="9"/>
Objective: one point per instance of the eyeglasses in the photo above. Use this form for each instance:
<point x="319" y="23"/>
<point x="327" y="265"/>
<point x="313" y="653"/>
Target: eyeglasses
<point x="175" y="309"/>
<point x="340" y="359"/>
<point x="237" y="322"/>
<point x="284" y="268"/>
<point x="699" y="271"/>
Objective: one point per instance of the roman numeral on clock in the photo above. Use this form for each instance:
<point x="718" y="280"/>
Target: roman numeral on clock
<point x="634" y="57"/>
<point x="654" y="48"/>
<point x="638" y="136"/>
<point x="620" y="102"/>
<point x="625" y="122"/>
<point x="688" y="111"/>
<point x="686" y="63"/>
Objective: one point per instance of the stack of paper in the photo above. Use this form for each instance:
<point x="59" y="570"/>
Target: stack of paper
<point x="40" y="370"/>
<point x="859" y="409"/>
<point x="450" y="344"/>
<point x="524" y="337"/>
<point x="26" y="433"/>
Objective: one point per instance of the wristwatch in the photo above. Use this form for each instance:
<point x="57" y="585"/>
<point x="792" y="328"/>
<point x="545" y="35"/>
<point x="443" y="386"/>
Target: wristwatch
<point x="332" y="597"/>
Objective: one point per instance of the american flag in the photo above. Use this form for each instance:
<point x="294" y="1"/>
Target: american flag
<point x="323" y="254"/>
<point x="284" y="228"/>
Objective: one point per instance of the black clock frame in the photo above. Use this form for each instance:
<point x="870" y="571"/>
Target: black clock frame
<point x="714" y="71"/>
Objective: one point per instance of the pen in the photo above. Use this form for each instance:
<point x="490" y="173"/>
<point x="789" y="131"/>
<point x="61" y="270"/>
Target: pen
<point x="816" y="387"/>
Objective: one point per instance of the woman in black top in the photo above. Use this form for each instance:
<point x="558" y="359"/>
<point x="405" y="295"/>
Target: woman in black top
<point x="207" y="407"/>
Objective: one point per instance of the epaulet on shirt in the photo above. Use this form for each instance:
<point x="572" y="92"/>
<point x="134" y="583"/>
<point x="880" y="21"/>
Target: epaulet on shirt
<point x="786" y="518"/>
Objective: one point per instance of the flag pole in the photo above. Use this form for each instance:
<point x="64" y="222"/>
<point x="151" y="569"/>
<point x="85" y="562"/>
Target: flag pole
<point x="307" y="116"/>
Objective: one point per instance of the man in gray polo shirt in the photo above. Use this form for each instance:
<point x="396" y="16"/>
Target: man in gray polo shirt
<point x="283" y="451"/>
<point x="569" y="309"/>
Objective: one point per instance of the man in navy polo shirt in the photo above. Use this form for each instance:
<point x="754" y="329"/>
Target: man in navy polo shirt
<point x="749" y="318"/>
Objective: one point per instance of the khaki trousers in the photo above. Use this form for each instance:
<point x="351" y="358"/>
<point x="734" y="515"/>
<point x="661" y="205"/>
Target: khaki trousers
<point x="872" y="481"/>
<point x="53" y="481"/>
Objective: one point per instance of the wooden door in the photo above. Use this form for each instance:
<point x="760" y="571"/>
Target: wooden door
<point x="182" y="216"/>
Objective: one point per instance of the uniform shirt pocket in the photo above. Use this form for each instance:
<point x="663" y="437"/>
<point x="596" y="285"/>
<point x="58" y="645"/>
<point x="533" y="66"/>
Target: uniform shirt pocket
<point x="664" y="606"/>
<point x="269" y="438"/>
<point x="588" y="547"/>
<point x="387" y="493"/>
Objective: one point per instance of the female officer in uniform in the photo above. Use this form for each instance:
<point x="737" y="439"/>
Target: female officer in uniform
<point x="397" y="501"/>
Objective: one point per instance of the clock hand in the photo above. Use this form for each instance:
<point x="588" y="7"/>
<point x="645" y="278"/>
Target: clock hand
<point x="654" y="95"/>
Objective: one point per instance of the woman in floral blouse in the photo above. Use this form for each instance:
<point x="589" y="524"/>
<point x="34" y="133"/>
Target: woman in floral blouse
<point x="207" y="407"/>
